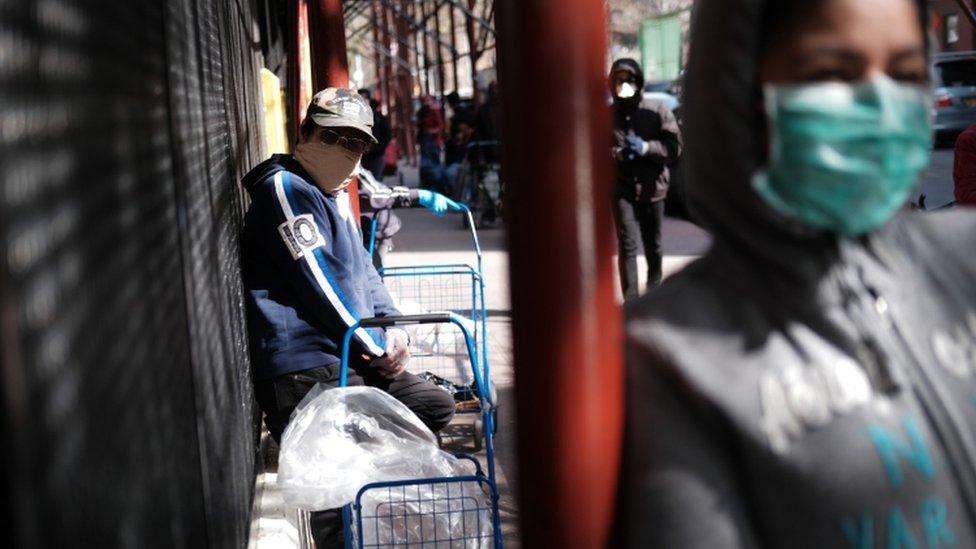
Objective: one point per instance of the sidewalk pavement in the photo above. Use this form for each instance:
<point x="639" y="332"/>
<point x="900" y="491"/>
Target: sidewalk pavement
<point x="936" y="181"/>
<point x="426" y="239"/>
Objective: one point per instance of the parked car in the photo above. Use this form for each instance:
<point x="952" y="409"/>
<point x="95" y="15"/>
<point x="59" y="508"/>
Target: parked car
<point x="662" y="92"/>
<point x="954" y="76"/>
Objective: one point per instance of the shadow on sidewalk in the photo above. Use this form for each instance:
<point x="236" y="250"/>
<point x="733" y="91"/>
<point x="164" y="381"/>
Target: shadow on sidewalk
<point x="424" y="232"/>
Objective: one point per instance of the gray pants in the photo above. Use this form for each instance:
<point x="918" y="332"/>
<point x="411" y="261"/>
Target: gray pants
<point x="637" y="222"/>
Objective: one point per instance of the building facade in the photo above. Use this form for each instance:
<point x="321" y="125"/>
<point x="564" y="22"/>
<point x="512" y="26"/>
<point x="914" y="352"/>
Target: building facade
<point x="951" y="29"/>
<point x="655" y="32"/>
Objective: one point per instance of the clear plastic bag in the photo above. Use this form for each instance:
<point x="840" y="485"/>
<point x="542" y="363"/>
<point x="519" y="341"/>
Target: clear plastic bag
<point x="339" y="440"/>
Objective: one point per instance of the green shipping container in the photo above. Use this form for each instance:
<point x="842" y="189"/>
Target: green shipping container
<point x="660" y="46"/>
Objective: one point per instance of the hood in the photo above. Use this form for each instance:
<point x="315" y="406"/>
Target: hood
<point x="264" y="170"/>
<point x="722" y="125"/>
<point x="633" y="66"/>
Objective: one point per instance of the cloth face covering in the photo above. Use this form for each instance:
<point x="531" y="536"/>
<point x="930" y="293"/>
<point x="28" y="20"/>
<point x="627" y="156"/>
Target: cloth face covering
<point x="330" y="165"/>
<point x="844" y="158"/>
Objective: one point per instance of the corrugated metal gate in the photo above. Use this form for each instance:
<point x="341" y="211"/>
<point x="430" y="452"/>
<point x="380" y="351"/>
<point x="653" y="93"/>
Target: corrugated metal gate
<point x="124" y="127"/>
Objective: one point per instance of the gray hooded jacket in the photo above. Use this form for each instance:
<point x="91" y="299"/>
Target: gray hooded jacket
<point x="793" y="389"/>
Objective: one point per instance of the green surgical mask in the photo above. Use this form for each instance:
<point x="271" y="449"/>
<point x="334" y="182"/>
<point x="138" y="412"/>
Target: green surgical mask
<point x="844" y="158"/>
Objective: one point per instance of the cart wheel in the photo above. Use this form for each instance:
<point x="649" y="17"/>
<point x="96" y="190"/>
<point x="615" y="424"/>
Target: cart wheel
<point x="479" y="435"/>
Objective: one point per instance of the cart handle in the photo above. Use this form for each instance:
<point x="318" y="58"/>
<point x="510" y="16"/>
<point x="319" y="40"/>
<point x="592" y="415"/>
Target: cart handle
<point x="373" y="225"/>
<point x="474" y="231"/>
<point x="461" y="206"/>
<point x="407" y="320"/>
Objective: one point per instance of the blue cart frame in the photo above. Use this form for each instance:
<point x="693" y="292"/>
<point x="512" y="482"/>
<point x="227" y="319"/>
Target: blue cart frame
<point x="478" y="308"/>
<point x="352" y="514"/>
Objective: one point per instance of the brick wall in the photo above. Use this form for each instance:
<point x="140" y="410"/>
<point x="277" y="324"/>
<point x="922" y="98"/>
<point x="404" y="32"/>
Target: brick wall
<point x="946" y="15"/>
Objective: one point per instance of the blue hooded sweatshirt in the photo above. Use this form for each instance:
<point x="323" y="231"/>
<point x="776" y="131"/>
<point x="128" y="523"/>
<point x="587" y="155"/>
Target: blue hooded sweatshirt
<point x="307" y="277"/>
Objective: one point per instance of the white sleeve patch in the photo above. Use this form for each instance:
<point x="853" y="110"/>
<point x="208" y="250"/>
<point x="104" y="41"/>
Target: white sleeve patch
<point x="301" y="235"/>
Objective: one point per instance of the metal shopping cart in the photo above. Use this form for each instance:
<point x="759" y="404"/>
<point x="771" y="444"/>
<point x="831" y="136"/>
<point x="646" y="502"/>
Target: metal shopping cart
<point x="457" y="288"/>
<point x="448" y="512"/>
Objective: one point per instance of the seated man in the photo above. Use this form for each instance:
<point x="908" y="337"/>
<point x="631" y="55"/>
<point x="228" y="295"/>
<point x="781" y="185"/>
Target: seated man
<point x="308" y="278"/>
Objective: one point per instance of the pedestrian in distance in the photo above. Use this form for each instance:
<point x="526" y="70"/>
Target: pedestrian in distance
<point x="430" y="137"/>
<point x="646" y="138"/>
<point x="375" y="158"/>
<point x="811" y="381"/>
<point x="460" y="113"/>
<point x="308" y="279"/>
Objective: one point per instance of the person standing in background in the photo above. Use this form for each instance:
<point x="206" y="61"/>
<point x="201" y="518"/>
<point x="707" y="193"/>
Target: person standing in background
<point x="646" y="139"/>
<point x="430" y="136"/>
<point x="375" y="157"/>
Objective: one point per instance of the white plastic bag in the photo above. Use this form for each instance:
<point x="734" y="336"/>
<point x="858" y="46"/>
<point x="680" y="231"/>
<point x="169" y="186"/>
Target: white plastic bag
<point x="339" y="440"/>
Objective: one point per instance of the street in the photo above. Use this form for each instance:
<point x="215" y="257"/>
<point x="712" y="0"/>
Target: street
<point x="936" y="182"/>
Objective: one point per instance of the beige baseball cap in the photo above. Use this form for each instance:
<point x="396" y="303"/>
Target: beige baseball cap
<point x="341" y="108"/>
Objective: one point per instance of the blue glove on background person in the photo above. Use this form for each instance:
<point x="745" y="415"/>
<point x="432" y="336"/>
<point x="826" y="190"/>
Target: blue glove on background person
<point x="436" y="202"/>
<point x="637" y="146"/>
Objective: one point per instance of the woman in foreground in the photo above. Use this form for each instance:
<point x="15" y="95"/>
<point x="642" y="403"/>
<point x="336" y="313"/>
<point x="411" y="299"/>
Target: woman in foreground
<point x="811" y="382"/>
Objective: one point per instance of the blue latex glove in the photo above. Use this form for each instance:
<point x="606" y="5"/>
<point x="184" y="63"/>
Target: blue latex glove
<point x="436" y="202"/>
<point x="636" y="146"/>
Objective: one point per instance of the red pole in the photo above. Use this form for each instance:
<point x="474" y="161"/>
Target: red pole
<point x="454" y="53"/>
<point x="379" y="93"/>
<point x="405" y="86"/>
<point x="414" y="41"/>
<point x="473" y="54"/>
<point x="422" y="36"/>
<point x="392" y="85"/>
<point x="388" y="74"/>
<point x="566" y="323"/>
<point x="330" y="67"/>
<point x="440" y="51"/>
<point x="297" y="38"/>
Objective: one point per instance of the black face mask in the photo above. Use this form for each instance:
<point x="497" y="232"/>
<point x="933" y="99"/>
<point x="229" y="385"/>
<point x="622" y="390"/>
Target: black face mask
<point x="627" y="103"/>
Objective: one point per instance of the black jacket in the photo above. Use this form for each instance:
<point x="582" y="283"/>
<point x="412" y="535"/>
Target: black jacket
<point x="645" y="178"/>
<point x="383" y="134"/>
<point x="796" y="389"/>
